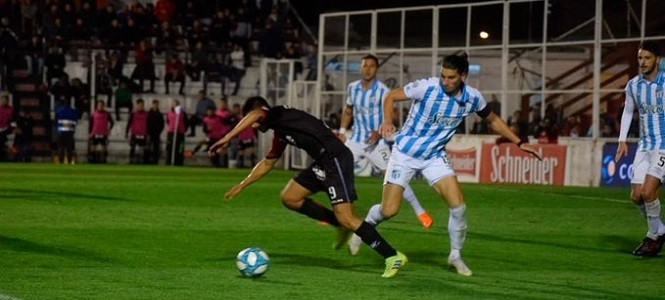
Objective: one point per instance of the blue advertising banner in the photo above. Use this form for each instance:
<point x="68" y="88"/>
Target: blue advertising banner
<point x="617" y="173"/>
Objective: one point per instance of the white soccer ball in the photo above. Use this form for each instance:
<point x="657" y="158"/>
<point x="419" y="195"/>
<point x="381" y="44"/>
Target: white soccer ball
<point x="252" y="262"/>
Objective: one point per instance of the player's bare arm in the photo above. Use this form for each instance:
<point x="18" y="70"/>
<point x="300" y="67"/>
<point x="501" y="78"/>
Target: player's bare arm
<point x="347" y="115"/>
<point x="246" y="122"/>
<point x="502" y="128"/>
<point x="262" y="168"/>
<point x="387" y="127"/>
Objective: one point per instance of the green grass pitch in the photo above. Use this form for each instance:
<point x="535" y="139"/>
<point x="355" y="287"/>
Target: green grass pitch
<point x="156" y="232"/>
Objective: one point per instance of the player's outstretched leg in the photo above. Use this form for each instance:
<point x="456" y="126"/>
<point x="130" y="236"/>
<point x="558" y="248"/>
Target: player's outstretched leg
<point x="652" y="244"/>
<point x="457" y="225"/>
<point x="374" y="217"/>
<point x="423" y="216"/>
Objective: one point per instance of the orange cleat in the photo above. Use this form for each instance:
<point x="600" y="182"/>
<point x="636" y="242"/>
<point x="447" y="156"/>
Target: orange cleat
<point x="426" y="220"/>
<point x="188" y="153"/>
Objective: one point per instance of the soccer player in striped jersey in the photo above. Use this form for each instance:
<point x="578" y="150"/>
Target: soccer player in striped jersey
<point x="439" y="106"/>
<point x="645" y="91"/>
<point x="364" y="103"/>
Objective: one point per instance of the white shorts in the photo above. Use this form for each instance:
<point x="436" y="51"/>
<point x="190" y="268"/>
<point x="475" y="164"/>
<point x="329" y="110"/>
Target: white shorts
<point x="378" y="155"/>
<point x="648" y="162"/>
<point x="402" y="167"/>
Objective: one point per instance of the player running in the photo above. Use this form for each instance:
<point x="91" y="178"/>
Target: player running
<point x="364" y="103"/>
<point x="439" y="106"/>
<point x="332" y="172"/>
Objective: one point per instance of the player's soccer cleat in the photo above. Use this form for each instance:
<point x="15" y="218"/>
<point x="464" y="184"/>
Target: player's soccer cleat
<point x="354" y="244"/>
<point x="393" y="264"/>
<point x="343" y="234"/>
<point x="426" y="219"/>
<point x="460" y="266"/>
<point x="648" y="247"/>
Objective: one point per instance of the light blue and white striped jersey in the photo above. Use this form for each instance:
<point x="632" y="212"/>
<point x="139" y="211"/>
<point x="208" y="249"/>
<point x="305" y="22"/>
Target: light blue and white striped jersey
<point x="367" y="108"/>
<point x="434" y="117"/>
<point x="650" y="101"/>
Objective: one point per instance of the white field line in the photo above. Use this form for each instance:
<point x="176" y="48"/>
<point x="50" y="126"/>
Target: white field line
<point x="7" y="297"/>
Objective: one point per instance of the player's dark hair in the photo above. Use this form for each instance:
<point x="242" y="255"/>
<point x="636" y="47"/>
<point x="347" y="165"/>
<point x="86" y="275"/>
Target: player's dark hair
<point x="372" y="57"/>
<point x="252" y="103"/>
<point x="140" y="101"/>
<point x="457" y="62"/>
<point x="650" y="46"/>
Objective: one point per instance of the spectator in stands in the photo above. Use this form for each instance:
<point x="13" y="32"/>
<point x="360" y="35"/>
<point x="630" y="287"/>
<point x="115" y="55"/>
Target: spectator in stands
<point x="237" y="67"/>
<point x="145" y="67"/>
<point x="123" y="98"/>
<point x="132" y="34"/>
<point x="6" y="119"/>
<point x="167" y="38"/>
<point x="199" y="62"/>
<point x="201" y="106"/>
<point x="65" y="123"/>
<point x="312" y="62"/>
<point x="573" y="127"/>
<point x="81" y="94"/>
<point x="548" y="132"/>
<point x="68" y="17"/>
<point x="271" y="44"/>
<point x="164" y="10"/>
<point x="155" y="128"/>
<point x="101" y="124"/>
<point x="246" y="147"/>
<point x="61" y="90"/>
<point x="480" y="126"/>
<point x="48" y="21"/>
<point x="241" y="29"/>
<point x="138" y="127"/>
<point x="90" y="18"/>
<point x="293" y="54"/>
<point x="226" y="117"/>
<point x="519" y="125"/>
<point x="220" y="29"/>
<point x="175" y="135"/>
<point x="34" y="56"/>
<point x="29" y="11"/>
<point x="115" y="36"/>
<point x="55" y="63"/>
<point x="175" y="71"/>
<point x="106" y="17"/>
<point x="197" y="33"/>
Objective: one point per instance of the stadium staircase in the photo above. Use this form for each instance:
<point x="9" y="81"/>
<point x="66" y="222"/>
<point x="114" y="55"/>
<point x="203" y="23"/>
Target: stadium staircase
<point x="28" y="92"/>
<point x="617" y="66"/>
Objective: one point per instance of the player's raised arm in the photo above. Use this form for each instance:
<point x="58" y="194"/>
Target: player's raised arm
<point x="502" y="128"/>
<point x="246" y="122"/>
<point x="387" y="128"/>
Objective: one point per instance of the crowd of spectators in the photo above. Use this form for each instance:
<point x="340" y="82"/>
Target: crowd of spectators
<point x="204" y="39"/>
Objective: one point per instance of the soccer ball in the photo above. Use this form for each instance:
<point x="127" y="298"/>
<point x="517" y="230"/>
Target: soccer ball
<point x="252" y="262"/>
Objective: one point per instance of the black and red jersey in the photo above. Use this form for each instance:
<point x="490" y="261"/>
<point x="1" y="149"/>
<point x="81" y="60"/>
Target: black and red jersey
<point x="300" y="129"/>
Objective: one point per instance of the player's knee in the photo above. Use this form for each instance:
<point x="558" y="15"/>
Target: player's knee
<point x="291" y="202"/>
<point x="648" y="194"/>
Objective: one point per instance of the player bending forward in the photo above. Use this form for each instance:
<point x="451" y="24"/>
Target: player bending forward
<point x="332" y="172"/>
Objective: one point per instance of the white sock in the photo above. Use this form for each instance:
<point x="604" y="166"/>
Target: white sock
<point x="410" y="197"/>
<point x="374" y="215"/>
<point x="457" y="228"/>
<point x="653" y="218"/>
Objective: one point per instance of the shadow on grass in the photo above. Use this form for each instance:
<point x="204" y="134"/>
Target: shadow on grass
<point x="491" y="237"/>
<point x="21" y="245"/>
<point x="27" y="194"/>
<point x="620" y="243"/>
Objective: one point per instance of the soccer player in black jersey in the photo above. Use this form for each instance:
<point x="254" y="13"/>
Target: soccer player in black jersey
<point x="331" y="171"/>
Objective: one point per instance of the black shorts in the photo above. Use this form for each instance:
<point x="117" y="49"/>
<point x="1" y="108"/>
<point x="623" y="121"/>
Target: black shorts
<point x="137" y="140"/>
<point x="98" y="139"/>
<point x="245" y="144"/>
<point x="66" y="141"/>
<point x="332" y="175"/>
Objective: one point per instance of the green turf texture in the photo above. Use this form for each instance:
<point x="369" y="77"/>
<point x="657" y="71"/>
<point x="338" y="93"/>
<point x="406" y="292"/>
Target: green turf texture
<point x="157" y="232"/>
